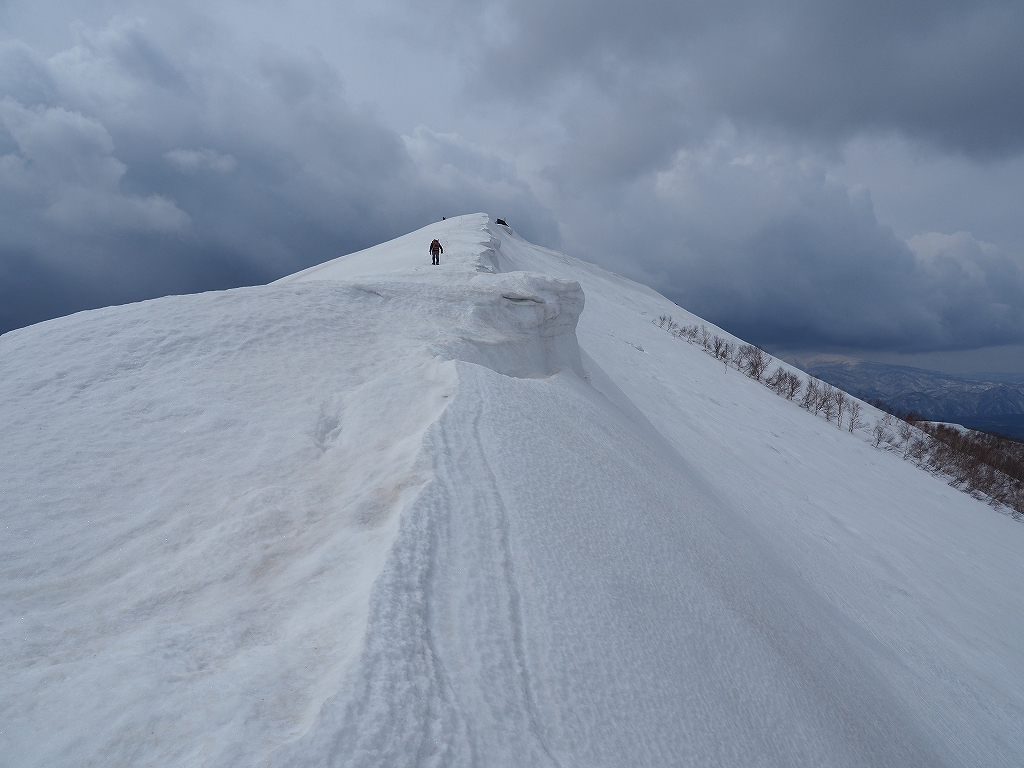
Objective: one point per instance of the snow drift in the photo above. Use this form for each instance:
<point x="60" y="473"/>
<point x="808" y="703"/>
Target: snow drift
<point x="384" y="513"/>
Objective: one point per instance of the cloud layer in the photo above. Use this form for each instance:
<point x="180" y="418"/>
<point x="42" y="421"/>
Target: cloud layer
<point x="129" y="171"/>
<point x="733" y="155"/>
<point x="700" y="143"/>
<point x="949" y="71"/>
<point x="775" y="250"/>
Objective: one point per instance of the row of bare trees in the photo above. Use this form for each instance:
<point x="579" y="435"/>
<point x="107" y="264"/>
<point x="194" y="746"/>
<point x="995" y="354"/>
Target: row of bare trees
<point x="985" y="466"/>
<point x="748" y="358"/>
<point x="833" y="403"/>
<point x="785" y="383"/>
<point x="818" y="397"/>
<point x="988" y="467"/>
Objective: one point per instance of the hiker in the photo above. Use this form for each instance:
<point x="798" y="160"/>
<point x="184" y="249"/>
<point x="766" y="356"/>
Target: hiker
<point x="435" y="251"/>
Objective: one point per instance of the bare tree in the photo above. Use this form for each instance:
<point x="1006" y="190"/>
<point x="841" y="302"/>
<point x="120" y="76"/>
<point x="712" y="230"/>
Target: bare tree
<point x="880" y="433"/>
<point x="784" y="383"/>
<point x="828" y="400"/>
<point x="819" y="401"/>
<point x="741" y="356"/>
<point x="811" y="394"/>
<point x="841" y="402"/>
<point x="919" y="448"/>
<point x="754" y="361"/>
<point x="717" y="343"/>
<point x="854" y="421"/>
<point x="721" y="349"/>
<point x="759" y="362"/>
<point x="905" y="431"/>
<point x="1015" y="501"/>
<point x="738" y="356"/>
<point x="727" y="353"/>
<point x="793" y="384"/>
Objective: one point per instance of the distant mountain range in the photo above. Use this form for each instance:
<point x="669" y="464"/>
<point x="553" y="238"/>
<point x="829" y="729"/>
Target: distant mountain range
<point x="994" y="403"/>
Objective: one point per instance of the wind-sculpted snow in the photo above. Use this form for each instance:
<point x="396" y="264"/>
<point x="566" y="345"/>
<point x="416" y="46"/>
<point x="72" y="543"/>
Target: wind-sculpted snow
<point x="382" y="513"/>
<point x="199" y="491"/>
<point x="519" y="324"/>
<point x="197" y="495"/>
<point x="601" y="610"/>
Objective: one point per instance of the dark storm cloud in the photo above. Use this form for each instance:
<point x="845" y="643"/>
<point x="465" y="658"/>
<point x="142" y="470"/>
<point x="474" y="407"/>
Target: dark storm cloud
<point x="131" y="169"/>
<point x="694" y="146"/>
<point x="951" y="73"/>
<point x="697" y="140"/>
<point x="948" y="72"/>
<point x="776" y="252"/>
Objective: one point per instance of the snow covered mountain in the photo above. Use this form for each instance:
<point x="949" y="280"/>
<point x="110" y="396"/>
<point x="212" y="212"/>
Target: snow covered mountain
<point x="381" y="513"/>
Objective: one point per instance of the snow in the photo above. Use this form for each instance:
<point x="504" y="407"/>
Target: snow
<point x="484" y="513"/>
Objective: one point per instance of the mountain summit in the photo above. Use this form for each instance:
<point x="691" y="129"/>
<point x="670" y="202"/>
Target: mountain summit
<point x="384" y="513"/>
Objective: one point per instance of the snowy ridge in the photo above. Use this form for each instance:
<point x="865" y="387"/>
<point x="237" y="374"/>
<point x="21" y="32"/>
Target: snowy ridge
<point x="384" y="513"/>
<point x="518" y="324"/>
<point x="203" y="499"/>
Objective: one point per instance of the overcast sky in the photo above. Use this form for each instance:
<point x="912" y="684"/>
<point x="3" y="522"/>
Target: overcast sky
<point x="814" y="177"/>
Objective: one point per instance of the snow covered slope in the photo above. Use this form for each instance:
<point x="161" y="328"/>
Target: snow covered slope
<point x="381" y="513"/>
